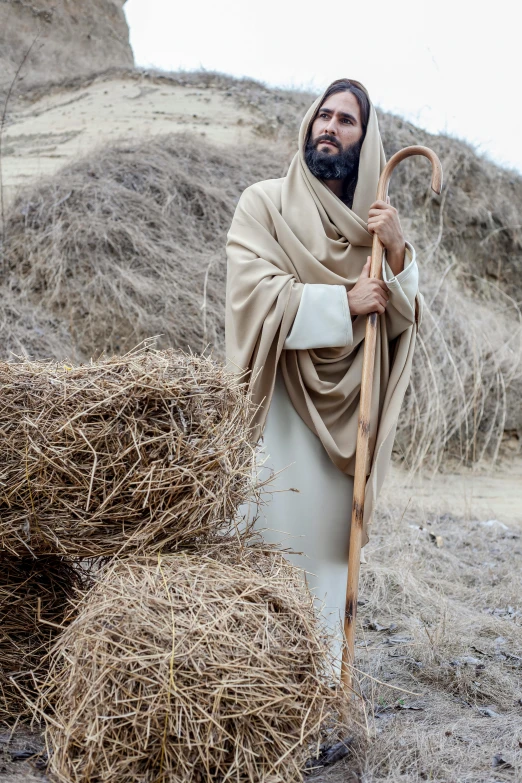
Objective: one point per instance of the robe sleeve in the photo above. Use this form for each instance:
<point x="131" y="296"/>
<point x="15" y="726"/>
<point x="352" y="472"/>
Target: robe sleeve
<point x="323" y="319"/>
<point x="403" y="289"/>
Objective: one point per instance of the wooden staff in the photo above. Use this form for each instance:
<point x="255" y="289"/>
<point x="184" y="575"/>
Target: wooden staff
<point x="363" y="433"/>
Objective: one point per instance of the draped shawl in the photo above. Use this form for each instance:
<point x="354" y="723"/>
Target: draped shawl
<point x="293" y="231"/>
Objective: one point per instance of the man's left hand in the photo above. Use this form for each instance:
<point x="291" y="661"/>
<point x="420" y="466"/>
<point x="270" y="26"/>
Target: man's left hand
<point x="383" y="220"/>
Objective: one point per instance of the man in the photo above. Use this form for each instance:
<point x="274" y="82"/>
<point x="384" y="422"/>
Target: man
<point x="298" y="294"/>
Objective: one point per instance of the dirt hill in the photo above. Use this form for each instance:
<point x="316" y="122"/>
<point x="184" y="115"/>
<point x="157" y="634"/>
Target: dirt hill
<point x="64" y="39"/>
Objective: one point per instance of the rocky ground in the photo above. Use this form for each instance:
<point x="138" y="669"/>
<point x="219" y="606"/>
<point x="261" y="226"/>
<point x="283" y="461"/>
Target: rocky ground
<point x="46" y="40"/>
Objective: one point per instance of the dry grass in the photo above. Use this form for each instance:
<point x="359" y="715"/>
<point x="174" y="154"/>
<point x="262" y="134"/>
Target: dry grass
<point x="28" y="331"/>
<point x="467" y="376"/>
<point x="129" y="244"/>
<point x="184" y="668"/>
<point x="34" y="601"/>
<point x="146" y="450"/>
<point x="445" y="623"/>
<point x="466" y="380"/>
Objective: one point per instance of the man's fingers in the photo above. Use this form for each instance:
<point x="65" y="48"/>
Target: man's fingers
<point x="385" y="210"/>
<point x="380" y="286"/>
<point x="379" y="204"/>
<point x="381" y="299"/>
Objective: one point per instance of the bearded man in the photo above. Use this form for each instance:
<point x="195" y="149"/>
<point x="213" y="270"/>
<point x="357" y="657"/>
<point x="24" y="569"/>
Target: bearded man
<point x="298" y="293"/>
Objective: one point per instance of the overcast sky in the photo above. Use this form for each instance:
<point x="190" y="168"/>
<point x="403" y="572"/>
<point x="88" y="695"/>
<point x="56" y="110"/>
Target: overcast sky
<point x="448" y="66"/>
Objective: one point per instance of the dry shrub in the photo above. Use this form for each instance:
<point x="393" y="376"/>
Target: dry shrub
<point x="184" y="668"/>
<point x="466" y="380"/>
<point x="27" y="630"/>
<point x="146" y="450"/>
<point x="128" y="243"/>
<point x="29" y="332"/>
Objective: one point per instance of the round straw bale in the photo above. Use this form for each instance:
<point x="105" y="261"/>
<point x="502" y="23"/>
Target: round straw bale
<point x="148" y="449"/>
<point x="34" y="601"/>
<point x="184" y="668"/>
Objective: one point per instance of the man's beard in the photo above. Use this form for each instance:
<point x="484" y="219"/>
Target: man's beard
<point x="333" y="165"/>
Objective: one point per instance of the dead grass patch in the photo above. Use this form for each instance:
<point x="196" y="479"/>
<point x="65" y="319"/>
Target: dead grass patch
<point x="446" y="624"/>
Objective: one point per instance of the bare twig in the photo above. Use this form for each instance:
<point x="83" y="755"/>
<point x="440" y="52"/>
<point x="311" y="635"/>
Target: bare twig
<point x="3" y="120"/>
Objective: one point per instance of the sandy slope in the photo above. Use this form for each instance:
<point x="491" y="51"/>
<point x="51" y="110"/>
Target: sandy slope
<point x="479" y="493"/>
<point x="45" y="134"/>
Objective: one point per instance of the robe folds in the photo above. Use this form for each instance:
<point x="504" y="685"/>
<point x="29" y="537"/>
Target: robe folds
<point x="294" y="249"/>
<point x="308" y="504"/>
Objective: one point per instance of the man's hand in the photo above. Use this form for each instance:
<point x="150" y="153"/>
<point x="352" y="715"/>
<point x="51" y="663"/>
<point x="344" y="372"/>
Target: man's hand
<point x="367" y="295"/>
<point x="383" y="220"/>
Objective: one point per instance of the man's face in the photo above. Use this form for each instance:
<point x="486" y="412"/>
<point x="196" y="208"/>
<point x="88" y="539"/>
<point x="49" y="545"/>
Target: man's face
<point x="335" y="139"/>
<point x="337" y="125"/>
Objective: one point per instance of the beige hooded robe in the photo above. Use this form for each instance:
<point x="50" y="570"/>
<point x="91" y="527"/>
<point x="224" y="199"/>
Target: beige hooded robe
<point x="294" y="248"/>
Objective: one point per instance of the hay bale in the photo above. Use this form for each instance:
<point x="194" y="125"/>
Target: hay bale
<point x="34" y="602"/>
<point x="188" y="669"/>
<point x="149" y="449"/>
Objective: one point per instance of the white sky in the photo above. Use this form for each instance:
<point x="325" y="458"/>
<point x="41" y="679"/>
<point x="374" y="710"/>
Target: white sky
<point x="448" y="66"/>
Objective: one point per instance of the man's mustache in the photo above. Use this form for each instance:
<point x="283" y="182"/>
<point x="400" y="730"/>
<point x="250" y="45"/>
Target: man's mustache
<point x="325" y="137"/>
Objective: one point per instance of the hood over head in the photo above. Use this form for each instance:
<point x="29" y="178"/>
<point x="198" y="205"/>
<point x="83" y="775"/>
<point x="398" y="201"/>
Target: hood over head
<point x="371" y="161"/>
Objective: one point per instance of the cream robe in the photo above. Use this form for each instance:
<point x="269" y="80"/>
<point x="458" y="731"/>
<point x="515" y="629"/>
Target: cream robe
<point x="310" y="521"/>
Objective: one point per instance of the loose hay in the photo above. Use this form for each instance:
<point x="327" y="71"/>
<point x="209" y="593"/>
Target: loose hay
<point x="149" y="449"/>
<point x="184" y="668"/>
<point x="34" y="600"/>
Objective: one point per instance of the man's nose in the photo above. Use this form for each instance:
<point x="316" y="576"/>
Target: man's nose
<point x="330" y="128"/>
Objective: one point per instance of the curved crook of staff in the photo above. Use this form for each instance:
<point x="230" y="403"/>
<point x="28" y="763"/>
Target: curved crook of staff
<point x="362" y="456"/>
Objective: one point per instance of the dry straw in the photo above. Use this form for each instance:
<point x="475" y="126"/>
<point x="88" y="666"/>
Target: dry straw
<point x="184" y="668"/>
<point x="34" y="597"/>
<point x="146" y="450"/>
